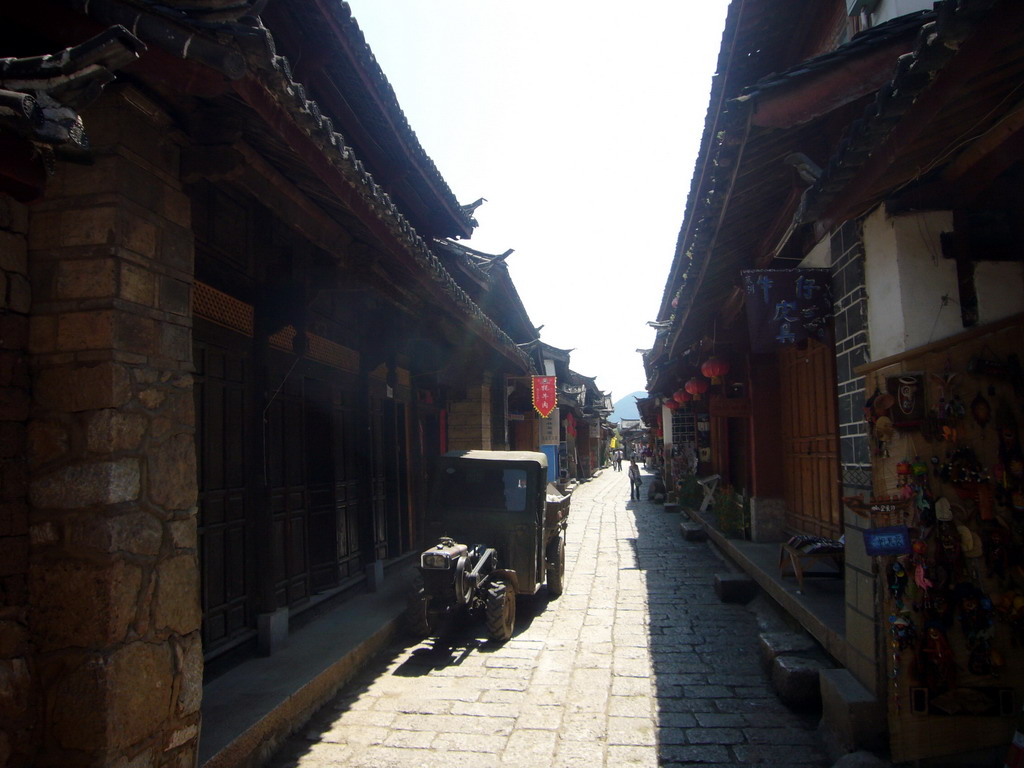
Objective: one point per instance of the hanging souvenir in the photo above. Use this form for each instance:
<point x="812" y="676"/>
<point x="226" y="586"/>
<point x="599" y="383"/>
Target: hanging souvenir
<point x="981" y="411"/>
<point x="944" y="384"/>
<point x="975" y="612"/>
<point x="907" y="389"/>
<point x="940" y="608"/>
<point x="925" y="508"/>
<point x="878" y="405"/>
<point x="919" y="468"/>
<point x="963" y="469"/>
<point x="970" y="542"/>
<point x="979" y="659"/>
<point x="957" y="409"/>
<point x="936" y="664"/>
<point x="883" y="434"/>
<point x="948" y="540"/>
<point x="901" y="636"/>
<point x="902" y="631"/>
<point x="897" y="582"/>
<point x="920" y="549"/>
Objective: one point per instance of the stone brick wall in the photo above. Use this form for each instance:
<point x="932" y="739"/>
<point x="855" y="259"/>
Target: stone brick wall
<point x="850" y="307"/>
<point x="113" y="576"/>
<point x="469" y="419"/>
<point x="18" y="702"/>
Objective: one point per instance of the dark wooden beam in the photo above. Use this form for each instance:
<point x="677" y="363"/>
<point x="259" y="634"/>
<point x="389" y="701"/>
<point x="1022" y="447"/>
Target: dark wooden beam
<point x="812" y="96"/>
<point x="999" y="30"/>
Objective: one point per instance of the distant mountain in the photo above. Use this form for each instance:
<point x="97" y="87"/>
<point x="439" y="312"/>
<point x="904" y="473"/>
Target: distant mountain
<point x="626" y="407"/>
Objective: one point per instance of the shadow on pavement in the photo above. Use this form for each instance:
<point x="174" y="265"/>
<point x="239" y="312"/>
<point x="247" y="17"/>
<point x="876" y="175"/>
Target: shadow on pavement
<point x="714" y="700"/>
<point x="459" y="638"/>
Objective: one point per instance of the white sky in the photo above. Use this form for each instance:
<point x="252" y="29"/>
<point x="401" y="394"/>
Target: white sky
<point x="580" y="123"/>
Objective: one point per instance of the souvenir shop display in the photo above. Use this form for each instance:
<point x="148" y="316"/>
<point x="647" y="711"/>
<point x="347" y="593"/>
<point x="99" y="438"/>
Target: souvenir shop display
<point x="949" y="475"/>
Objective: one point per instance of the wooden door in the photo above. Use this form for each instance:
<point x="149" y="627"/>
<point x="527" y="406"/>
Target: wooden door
<point x="288" y="493"/>
<point x="810" y="440"/>
<point x="347" y="499"/>
<point x="396" y="478"/>
<point x="323" y="539"/>
<point x="224" y="462"/>
<point x="378" y="481"/>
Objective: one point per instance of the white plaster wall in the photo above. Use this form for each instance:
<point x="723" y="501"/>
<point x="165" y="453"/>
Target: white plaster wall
<point x="907" y="278"/>
<point x="912" y="288"/>
<point x="1000" y="288"/>
<point x="820" y="255"/>
<point x="890" y="9"/>
<point x="882" y="278"/>
<point x="927" y="277"/>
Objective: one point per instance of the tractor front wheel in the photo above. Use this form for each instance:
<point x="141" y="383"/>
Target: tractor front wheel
<point x="418" y="619"/>
<point x="501" y="610"/>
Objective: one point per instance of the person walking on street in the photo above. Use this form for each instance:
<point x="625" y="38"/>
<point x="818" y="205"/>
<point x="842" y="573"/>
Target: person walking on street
<point x="634" y="480"/>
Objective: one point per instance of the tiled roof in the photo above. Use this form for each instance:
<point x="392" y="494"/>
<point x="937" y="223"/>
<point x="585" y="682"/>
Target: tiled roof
<point x="937" y="43"/>
<point x="40" y="96"/>
<point x="216" y="34"/>
<point x="870" y="39"/>
<point x="741" y="184"/>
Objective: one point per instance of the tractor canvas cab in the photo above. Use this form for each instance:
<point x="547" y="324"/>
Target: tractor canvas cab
<point x="500" y="532"/>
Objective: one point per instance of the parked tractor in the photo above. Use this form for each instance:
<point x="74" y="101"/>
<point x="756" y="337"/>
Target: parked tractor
<point x="500" y="532"/>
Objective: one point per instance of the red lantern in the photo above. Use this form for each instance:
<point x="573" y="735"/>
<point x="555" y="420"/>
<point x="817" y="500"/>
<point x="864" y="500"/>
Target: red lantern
<point x="696" y="387"/>
<point x="671" y="404"/>
<point x="715" y="368"/>
<point x="681" y="396"/>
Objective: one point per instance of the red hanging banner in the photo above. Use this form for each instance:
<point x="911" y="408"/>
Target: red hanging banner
<point x="545" y="397"/>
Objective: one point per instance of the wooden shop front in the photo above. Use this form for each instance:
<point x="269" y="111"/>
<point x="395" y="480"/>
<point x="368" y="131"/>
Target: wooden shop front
<point x="946" y="451"/>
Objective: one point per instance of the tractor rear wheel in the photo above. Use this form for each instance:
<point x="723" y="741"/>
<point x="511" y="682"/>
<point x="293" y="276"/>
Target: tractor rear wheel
<point x="556" y="566"/>
<point x="501" y="610"/>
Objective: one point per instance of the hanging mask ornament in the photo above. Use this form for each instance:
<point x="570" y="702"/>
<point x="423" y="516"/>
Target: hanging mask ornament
<point x="981" y="410"/>
<point x="907" y="390"/>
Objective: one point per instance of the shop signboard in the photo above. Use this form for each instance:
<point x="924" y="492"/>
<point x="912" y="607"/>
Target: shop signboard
<point x="549" y="428"/>
<point x="890" y="540"/>
<point x="786" y="306"/>
<point x="545" y="396"/>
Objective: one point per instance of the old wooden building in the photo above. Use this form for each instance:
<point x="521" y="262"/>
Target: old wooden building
<point x="852" y="251"/>
<point x="231" y="348"/>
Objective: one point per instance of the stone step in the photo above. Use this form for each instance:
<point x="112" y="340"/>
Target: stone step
<point x="693" y="531"/>
<point x="735" y="587"/>
<point x="785" y="643"/>
<point x="796" y="681"/>
<point x="851" y="715"/>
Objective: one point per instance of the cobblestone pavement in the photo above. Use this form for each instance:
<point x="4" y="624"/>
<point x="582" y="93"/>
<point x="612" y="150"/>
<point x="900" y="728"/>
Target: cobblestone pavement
<point x="637" y="664"/>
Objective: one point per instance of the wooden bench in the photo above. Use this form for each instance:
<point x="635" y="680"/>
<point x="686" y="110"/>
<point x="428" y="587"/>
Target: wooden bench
<point x="810" y="549"/>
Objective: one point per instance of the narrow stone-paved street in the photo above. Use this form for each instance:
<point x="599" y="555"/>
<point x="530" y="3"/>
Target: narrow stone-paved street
<point x="637" y="664"/>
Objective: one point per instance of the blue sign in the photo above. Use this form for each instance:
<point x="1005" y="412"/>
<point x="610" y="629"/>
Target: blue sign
<point x="786" y="306"/>
<point x="892" y="540"/>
